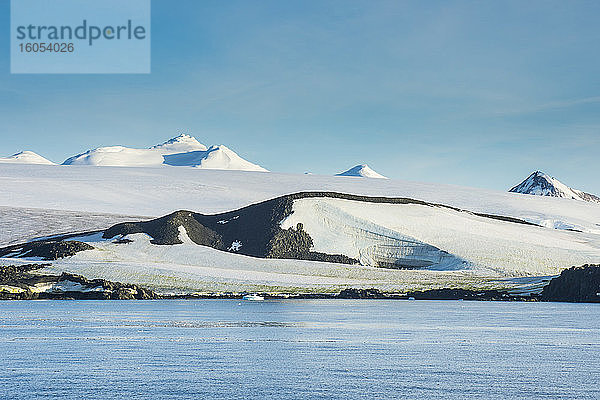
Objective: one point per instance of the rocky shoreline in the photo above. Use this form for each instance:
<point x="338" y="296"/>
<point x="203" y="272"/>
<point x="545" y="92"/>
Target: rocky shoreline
<point x="375" y="294"/>
<point x="24" y="282"/>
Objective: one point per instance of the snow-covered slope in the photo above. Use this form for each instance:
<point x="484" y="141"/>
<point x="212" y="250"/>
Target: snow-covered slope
<point x="183" y="150"/>
<point x="216" y="157"/>
<point x="187" y="267"/>
<point x="541" y="184"/>
<point x="20" y="225"/>
<point x="363" y="171"/>
<point x="117" y="156"/>
<point x="159" y="191"/>
<point x="26" y="157"/>
<point x="440" y="238"/>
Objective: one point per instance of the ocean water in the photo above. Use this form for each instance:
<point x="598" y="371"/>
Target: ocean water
<point x="298" y="349"/>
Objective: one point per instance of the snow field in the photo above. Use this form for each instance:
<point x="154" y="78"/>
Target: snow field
<point x="506" y="248"/>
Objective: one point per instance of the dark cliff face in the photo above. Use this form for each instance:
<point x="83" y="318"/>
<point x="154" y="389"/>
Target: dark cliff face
<point x="576" y="284"/>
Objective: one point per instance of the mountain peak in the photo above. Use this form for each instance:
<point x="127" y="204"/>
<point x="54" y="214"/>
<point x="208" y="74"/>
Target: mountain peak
<point x="541" y="184"/>
<point x="183" y="142"/>
<point x="362" y="170"/>
<point x="26" y="157"/>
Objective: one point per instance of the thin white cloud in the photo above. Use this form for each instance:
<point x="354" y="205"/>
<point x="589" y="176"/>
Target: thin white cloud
<point x="554" y="105"/>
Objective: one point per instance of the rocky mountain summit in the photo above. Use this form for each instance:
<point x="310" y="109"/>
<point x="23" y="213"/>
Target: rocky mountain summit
<point x="541" y="184"/>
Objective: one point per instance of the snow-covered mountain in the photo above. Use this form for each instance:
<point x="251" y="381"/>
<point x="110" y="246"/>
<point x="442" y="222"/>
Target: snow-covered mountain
<point x="183" y="150"/>
<point x="541" y="184"/>
<point x="26" y="157"/>
<point x="362" y="170"/>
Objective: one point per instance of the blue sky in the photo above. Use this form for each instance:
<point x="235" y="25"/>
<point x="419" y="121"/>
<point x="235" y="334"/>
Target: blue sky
<point x="462" y="92"/>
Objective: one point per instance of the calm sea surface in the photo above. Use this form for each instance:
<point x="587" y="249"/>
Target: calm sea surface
<point x="294" y="349"/>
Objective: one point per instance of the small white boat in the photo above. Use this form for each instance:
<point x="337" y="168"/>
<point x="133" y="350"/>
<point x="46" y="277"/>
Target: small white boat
<point x="253" y="297"/>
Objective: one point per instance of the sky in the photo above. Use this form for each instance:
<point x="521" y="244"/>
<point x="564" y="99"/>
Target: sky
<point x="474" y="93"/>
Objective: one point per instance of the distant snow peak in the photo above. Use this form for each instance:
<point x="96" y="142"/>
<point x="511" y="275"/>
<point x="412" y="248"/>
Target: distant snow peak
<point x="183" y="142"/>
<point x="183" y="150"/>
<point x="362" y="170"/>
<point x="541" y="184"/>
<point x="216" y="157"/>
<point x="26" y="157"/>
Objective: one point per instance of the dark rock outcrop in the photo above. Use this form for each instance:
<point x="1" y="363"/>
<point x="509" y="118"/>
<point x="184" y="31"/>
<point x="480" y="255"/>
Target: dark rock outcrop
<point x="466" y="294"/>
<point x="290" y="243"/>
<point x="352" y="293"/>
<point x="296" y="244"/>
<point x="47" y="249"/>
<point x="165" y="230"/>
<point x="8" y="272"/>
<point x="21" y="276"/>
<point x="576" y="284"/>
<point x="107" y="290"/>
<point x="255" y="229"/>
<point x="436" y="294"/>
<point x="24" y="279"/>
